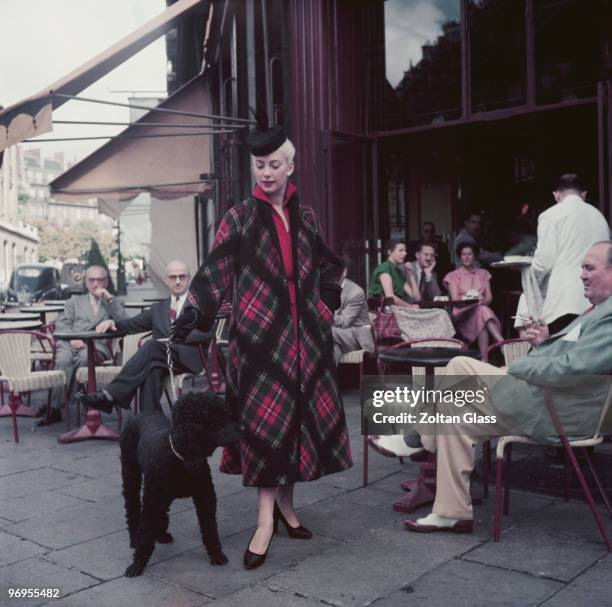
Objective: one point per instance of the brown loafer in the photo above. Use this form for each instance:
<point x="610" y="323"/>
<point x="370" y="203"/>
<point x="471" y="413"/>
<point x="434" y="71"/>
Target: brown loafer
<point x="463" y="526"/>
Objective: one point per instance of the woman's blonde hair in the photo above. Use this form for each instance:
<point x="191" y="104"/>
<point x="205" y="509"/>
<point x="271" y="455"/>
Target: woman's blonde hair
<point x="287" y="149"/>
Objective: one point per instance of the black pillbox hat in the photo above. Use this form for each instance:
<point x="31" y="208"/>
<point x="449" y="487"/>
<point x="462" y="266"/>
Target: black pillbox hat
<point x="264" y="142"/>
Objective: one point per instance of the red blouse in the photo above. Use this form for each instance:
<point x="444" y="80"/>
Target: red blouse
<point x="284" y="239"/>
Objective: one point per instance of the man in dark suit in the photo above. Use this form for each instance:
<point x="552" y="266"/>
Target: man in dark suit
<point x="147" y="368"/>
<point x="423" y="271"/>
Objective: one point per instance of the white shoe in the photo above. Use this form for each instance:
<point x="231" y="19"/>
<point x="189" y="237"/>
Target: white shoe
<point x="392" y="446"/>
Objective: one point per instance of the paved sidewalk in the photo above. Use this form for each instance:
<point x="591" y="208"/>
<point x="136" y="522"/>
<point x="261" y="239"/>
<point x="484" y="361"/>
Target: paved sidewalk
<point x="62" y="525"/>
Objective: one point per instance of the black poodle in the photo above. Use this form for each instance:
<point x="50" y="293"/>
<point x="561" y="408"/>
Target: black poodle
<point x="172" y="460"/>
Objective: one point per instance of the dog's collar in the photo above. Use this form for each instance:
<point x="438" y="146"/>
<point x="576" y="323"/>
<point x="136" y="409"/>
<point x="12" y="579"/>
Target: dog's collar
<point x="174" y="450"/>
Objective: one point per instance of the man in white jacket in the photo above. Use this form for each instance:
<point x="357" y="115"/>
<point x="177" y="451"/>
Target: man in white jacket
<point x="566" y="231"/>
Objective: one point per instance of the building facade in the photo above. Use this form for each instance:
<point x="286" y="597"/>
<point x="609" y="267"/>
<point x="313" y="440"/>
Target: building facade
<point x="18" y="241"/>
<point x="36" y="201"/>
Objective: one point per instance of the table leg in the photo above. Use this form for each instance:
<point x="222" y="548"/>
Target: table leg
<point x="93" y="427"/>
<point x="16" y="403"/>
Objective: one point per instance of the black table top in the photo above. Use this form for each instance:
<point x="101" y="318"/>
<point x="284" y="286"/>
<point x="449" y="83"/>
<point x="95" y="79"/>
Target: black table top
<point x="83" y="335"/>
<point x="424" y="357"/>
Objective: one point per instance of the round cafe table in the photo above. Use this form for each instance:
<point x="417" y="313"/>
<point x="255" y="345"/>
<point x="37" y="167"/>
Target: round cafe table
<point x="137" y="305"/>
<point x="421" y="490"/>
<point x="20" y="325"/>
<point x="93" y="426"/>
<point x="152" y="300"/>
<point x="42" y="311"/>
<point x="18" y="316"/>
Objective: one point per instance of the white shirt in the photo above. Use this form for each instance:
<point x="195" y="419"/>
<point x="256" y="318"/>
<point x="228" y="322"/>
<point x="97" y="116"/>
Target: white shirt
<point x="566" y="232"/>
<point x="177" y="302"/>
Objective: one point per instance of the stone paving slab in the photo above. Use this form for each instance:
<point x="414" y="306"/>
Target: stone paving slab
<point x="35" y="481"/>
<point x="568" y="520"/>
<point x="261" y="596"/>
<point x="72" y="525"/>
<point x="192" y="569"/>
<point x="42" y="504"/>
<point x="372" y="565"/>
<point x="593" y="586"/>
<point x="16" y="549"/>
<point x="539" y="555"/>
<point x="95" y="490"/>
<point x="38" y="572"/>
<point x="137" y="592"/>
<point x="462" y="584"/>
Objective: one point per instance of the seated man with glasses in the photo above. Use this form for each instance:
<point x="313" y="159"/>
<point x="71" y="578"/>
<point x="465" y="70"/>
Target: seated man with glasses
<point x="147" y="368"/>
<point x="81" y="313"/>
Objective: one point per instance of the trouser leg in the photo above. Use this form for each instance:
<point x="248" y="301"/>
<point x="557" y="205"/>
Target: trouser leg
<point x="145" y="370"/>
<point x="68" y="361"/>
<point x="455" y="445"/>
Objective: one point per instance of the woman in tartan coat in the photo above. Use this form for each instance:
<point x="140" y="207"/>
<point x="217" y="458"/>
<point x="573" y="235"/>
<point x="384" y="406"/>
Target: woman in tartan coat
<point x="280" y="381"/>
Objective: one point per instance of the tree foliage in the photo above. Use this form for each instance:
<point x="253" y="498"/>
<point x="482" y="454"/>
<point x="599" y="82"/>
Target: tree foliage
<point x="95" y="258"/>
<point x="72" y="242"/>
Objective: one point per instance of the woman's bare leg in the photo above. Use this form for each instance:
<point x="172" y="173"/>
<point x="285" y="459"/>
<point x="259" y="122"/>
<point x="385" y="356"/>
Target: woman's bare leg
<point x="492" y="327"/>
<point x="265" y="520"/>
<point x="284" y="498"/>
<point x="483" y="340"/>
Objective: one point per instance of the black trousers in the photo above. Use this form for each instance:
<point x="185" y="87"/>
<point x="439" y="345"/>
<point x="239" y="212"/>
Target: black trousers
<point x="560" y="323"/>
<point x="145" y="370"/>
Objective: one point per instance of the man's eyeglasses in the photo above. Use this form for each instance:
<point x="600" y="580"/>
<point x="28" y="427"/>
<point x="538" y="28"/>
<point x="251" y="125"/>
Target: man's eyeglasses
<point x="91" y="280"/>
<point x="180" y="277"/>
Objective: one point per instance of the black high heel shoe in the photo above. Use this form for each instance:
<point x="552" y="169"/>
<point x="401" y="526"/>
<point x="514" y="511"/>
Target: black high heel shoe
<point x="251" y="559"/>
<point x="296" y="533"/>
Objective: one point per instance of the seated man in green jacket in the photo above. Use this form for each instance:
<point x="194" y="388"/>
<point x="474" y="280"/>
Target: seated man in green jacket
<point x="517" y="397"/>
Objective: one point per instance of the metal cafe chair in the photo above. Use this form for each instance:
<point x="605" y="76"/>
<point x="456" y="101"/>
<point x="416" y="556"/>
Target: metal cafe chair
<point x="16" y="365"/>
<point x="504" y="452"/>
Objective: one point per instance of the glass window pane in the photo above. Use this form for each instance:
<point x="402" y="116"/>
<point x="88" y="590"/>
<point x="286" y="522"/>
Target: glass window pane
<point x="422" y="83"/>
<point x="497" y="54"/>
<point x="572" y="48"/>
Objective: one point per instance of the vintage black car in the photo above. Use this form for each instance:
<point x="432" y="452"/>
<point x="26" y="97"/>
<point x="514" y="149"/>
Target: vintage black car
<point x="34" y="282"/>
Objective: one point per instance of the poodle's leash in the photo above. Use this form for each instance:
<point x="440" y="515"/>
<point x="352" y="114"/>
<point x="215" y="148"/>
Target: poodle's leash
<point x="173" y="389"/>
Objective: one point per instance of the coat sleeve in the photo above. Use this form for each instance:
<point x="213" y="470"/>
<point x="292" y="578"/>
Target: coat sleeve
<point x="329" y="268"/>
<point x="115" y="309"/>
<point x="547" y="250"/>
<point x="216" y="274"/>
<point x="141" y="323"/>
<point x="65" y="321"/>
<point x="346" y="316"/>
<point x="589" y="356"/>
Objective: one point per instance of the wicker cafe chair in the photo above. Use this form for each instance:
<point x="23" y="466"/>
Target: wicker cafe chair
<point x="504" y="447"/>
<point x="511" y="349"/>
<point x="421" y="342"/>
<point x="106" y="373"/>
<point x="15" y="362"/>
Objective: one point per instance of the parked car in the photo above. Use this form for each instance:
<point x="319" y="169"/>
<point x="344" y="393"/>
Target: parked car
<point x="72" y="275"/>
<point x="35" y="281"/>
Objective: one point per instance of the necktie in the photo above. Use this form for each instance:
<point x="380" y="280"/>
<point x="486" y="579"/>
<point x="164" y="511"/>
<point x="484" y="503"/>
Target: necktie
<point x="422" y="282"/>
<point x="95" y="304"/>
<point x="172" y="313"/>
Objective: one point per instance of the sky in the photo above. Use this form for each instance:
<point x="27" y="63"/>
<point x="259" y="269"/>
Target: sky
<point x="43" y="40"/>
<point x="408" y="25"/>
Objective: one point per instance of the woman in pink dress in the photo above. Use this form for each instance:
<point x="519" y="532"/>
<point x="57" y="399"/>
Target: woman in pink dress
<point x="477" y="321"/>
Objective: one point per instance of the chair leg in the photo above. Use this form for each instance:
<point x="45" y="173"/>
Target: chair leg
<point x="507" y="467"/>
<point x="499" y="466"/>
<point x="2" y="393"/>
<point x="486" y="462"/>
<point x="567" y="480"/>
<point x="597" y="481"/>
<point x="365" y="460"/>
<point x="66" y="408"/>
<point x="587" y="492"/>
<point x="14" y="403"/>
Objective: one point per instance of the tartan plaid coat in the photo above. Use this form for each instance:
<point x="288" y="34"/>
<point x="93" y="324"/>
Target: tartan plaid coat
<point x="280" y="382"/>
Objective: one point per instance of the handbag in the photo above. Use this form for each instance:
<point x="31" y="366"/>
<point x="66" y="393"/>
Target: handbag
<point x="386" y="325"/>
